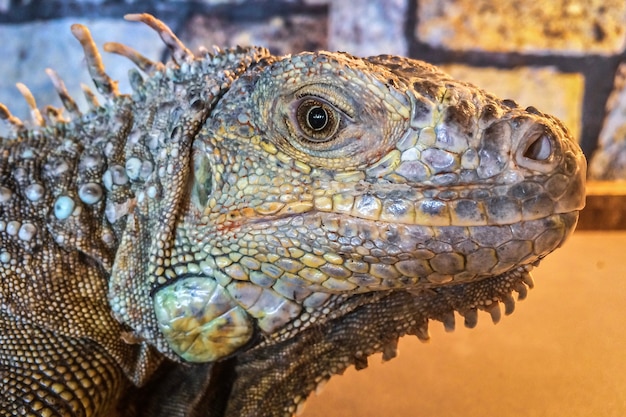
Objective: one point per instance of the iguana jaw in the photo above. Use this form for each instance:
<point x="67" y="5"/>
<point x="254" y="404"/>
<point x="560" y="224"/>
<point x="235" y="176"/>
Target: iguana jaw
<point x="277" y="283"/>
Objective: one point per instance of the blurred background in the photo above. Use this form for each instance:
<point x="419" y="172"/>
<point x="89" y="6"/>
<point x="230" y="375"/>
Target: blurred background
<point x="562" y="352"/>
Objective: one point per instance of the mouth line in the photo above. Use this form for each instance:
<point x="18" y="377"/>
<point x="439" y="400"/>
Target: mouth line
<point x="426" y="221"/>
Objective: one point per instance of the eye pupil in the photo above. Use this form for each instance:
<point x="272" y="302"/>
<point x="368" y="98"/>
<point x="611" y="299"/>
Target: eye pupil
<point x="317" y="118"/>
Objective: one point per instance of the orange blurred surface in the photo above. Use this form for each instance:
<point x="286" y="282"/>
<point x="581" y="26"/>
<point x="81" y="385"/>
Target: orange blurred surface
<point x="562" y="353"/>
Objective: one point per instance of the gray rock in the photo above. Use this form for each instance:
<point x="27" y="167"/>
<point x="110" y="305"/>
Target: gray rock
<point x="609" y="161"/>
<point x="281" y="34"/>
<point x="367" y="28"/>
<point x="561" y="26"/>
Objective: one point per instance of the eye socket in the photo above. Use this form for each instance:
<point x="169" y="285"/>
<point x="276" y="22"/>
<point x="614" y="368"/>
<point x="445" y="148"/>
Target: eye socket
<point x="317" y="120"/>
<point x="539" y="148"/>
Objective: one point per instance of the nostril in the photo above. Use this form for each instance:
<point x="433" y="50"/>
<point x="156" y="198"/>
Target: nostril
<point x="539" y="148"/>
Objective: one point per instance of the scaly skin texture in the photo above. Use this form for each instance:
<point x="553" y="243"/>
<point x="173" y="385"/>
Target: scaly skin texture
<point x="244" y="226"/>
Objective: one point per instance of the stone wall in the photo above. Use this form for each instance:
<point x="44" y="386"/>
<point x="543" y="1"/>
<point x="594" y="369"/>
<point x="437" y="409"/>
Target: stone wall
<point x="560" y="56"/>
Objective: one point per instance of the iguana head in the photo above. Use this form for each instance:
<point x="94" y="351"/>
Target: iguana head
<point x="248" y="196"/>
<point x="321" y="175"/>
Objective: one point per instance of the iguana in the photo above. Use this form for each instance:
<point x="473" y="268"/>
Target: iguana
<point x="243" y="226"/>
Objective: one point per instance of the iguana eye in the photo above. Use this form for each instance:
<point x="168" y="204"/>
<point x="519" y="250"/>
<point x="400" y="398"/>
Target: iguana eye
<point x="317" y="120"/>
<point x="539" y="147"/>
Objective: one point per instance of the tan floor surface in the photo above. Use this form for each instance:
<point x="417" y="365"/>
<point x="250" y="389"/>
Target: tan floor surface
<point x="562" y="353"/>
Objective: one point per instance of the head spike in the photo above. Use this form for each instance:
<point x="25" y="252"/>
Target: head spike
<point x="421" y="332"/>
<point x="509" y="302"/>
<point x="53" y="115"/>
<point x="64" y="95"/>
<point x="449" y="320"/>
<point x="15" y="123"/>
<point x="144" y="64"/>
<point x="35" y="114"/>
<point x="104" y="84"/>
<point x="494" y="310"/>
<point x="135" y="79"/>
<point x="92" y="100"/>
<point x="528" y="279"/>
<point x="180" y="53"/>
<point x="471" y="317"/>
<point x="390" y="350"/>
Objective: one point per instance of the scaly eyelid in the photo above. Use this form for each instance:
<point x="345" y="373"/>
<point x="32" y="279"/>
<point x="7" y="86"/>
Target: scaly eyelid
<point x="331" y="96"/>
